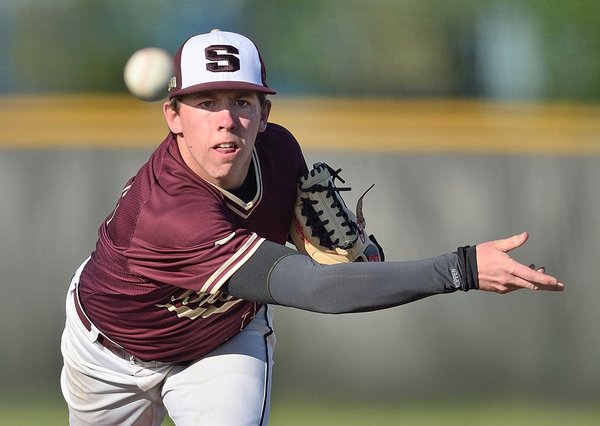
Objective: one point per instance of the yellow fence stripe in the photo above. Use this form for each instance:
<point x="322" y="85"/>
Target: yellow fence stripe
<point x="120" y="121"/>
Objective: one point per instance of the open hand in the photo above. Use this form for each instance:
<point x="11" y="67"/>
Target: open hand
<point x="500" y="273"/>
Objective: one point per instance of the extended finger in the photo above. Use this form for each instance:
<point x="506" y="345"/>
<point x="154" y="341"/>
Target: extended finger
<point x="513" y="242"/>
<point x="517" y="283"/>
<point x="537" y="280"/>
<point x="539" y="269"/>
<point x="554" y="287"/>
<point x="534" y="276"/>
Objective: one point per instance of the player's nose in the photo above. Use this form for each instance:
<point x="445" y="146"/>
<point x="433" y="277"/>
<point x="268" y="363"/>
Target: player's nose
<point x="225" y="118"/>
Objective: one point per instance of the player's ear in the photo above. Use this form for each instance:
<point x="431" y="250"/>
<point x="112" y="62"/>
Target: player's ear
<point x="264" y="116"/>
<point x="171" y="113"/>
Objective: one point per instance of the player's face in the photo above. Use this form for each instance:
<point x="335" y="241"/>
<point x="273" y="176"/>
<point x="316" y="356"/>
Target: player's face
<point x="216" y="132"/>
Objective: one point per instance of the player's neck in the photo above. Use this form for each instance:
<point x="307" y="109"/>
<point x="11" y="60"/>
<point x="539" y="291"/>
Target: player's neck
<point x="247" y="190"/>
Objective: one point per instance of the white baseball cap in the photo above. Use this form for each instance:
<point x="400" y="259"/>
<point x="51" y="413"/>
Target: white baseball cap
<point x="218" y="60"/>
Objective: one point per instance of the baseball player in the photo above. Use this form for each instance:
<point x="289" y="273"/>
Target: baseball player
<point x="172" y="311"/>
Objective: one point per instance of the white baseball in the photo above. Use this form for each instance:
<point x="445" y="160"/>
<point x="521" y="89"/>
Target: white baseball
<point x="147" y="73"/>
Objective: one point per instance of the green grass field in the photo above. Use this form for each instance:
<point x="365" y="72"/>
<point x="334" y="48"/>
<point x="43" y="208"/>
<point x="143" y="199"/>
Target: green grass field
<point x="18" y="412"/>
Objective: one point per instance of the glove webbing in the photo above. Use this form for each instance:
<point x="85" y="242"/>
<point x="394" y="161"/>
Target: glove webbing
<point x="313" y="219"/>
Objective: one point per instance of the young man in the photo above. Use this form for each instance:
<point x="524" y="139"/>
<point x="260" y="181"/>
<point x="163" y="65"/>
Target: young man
<point x="171" y="311"/>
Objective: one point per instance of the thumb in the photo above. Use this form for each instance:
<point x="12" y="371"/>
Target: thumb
<point x="513" y="242"/>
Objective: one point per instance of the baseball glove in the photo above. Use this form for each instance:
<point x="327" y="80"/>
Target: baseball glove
<point x="324" y="228"/>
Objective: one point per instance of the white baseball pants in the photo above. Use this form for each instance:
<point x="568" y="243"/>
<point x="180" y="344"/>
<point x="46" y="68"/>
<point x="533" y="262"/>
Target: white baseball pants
<point x="231" y="386"/>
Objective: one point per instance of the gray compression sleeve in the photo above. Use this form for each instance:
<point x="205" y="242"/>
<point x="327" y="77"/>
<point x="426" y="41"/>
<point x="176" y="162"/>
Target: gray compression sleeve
<point x="279" y="275"/>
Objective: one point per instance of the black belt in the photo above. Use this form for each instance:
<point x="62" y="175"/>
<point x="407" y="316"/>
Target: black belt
<point x="109" y="344"/>
<point x="104" y="341"/>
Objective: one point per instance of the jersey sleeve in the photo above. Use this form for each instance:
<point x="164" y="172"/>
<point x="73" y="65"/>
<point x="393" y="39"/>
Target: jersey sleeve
<point x="279" y="275"/>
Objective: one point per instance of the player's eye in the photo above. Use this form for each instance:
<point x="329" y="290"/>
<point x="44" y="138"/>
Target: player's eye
<point x="241" y="103"/>
<point x="206" y="103"/>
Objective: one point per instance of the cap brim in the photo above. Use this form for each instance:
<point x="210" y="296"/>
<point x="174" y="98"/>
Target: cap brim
<point x="221" y="85"/>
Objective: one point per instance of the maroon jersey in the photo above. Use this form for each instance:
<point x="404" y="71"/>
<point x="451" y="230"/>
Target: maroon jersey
<point x="153" y="284"/>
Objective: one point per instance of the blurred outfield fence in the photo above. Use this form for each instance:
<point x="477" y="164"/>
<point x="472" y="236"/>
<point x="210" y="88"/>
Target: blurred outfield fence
<point x="446" y="173"/>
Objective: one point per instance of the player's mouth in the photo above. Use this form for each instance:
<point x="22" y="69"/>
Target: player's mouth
<point x="226" y="147"/>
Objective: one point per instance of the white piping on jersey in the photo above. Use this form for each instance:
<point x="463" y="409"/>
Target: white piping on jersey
<point x="237" y="205"/>
<point x="225" y="240"/>
<point x="123" y="193"/>
<point x="227" y="269"/>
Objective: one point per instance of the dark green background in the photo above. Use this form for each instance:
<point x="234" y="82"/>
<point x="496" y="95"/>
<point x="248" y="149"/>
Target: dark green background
<point x="527" y="49"/>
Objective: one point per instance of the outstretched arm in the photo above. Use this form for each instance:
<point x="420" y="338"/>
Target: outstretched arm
<point x="279" y="275"/>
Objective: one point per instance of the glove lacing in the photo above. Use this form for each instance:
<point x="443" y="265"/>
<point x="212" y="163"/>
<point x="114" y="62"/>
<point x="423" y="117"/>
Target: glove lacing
<point x="313" y="219"/>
